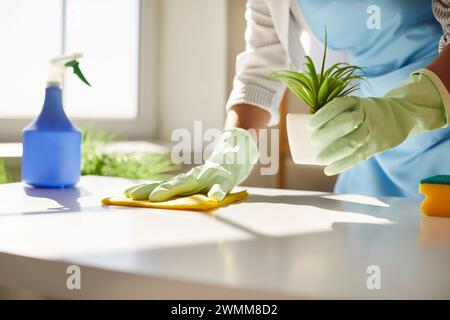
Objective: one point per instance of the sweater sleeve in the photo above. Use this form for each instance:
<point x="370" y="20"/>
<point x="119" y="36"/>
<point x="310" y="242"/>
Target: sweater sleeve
<point x="263" y="54"/>
<point x="441" y="10"/>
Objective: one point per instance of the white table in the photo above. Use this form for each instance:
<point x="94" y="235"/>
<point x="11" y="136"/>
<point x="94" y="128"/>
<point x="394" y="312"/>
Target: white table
<point x="277" y="244"/>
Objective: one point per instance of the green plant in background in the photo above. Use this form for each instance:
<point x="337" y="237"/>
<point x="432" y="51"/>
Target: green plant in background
<point x="95" y="161"/>
<point x="3" y="176"/>
<point x="317" y="89"/>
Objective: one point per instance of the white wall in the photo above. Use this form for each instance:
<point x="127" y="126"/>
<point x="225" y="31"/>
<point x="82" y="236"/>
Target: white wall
<point x="235" y="37"/>
<point x="193" y="57"/>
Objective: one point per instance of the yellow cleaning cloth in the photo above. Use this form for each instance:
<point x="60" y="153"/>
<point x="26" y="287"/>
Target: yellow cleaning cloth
<point x="198" y="202"/>
<point x="437" y="194"/>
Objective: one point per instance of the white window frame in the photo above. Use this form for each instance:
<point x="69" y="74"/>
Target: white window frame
<point x="143" y="126"/>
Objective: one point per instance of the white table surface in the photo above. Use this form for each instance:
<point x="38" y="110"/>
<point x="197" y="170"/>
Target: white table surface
<point x="277" y="244"/>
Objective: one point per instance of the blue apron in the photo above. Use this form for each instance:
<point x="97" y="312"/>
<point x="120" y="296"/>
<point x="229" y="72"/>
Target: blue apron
<point x="407" y="40"/>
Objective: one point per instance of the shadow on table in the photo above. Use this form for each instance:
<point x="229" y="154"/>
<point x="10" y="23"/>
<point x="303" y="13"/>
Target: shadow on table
<point x="66" y="198"/>
<point x="339" y="204"/>
<point x="345" y="203"/>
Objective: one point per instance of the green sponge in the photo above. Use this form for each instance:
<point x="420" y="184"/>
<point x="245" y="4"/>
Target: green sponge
<point x="439" y="179"/>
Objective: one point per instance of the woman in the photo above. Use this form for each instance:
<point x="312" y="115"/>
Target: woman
<point x="368" y="139"/>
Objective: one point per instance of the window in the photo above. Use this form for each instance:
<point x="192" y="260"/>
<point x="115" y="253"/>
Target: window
<point x="30" y="34"/>
<point x="109" y="34"/>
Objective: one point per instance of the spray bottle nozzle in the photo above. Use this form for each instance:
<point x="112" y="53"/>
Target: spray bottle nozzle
<point x="58" y="65"/>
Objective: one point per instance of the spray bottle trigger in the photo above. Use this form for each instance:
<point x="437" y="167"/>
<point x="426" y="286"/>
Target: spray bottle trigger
<point x="76" y="69"/>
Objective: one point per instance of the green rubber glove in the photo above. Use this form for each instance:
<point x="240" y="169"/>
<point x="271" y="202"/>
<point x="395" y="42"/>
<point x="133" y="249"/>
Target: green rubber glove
<point x="229" y="164"/>
<point x="141" y="191"/>
<point x="349" y="130"/>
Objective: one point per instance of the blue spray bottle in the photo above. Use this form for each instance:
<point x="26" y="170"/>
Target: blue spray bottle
<point x="51" y="143"/>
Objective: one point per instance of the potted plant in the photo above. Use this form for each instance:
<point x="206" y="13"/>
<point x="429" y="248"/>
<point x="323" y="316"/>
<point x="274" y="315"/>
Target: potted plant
<point x="316" y="90"/>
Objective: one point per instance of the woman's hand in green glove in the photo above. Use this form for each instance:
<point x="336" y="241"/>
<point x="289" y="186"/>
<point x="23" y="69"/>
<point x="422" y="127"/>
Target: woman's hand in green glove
<point x="230" y="163"/>
<point x="141" y="191"/>
<point x="349" y="130"/>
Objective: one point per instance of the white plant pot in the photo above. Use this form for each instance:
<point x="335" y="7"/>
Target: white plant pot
<point x="302" y="150"/>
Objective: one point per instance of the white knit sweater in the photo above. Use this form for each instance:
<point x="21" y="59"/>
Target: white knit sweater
<point x="441" y="10"/>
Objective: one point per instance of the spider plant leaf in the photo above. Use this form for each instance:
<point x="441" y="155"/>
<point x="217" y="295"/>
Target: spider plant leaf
<point x="338" y="89"/>
<point x="301" y="92"/>
<point x="346" y="69"/>
<point x="324" y="53"/>
<point x="324" y="91"/>
<point x="312" y="72"/>
<point x="303" y="97"/>
<point x="295" y="76"/>
<point x="292" y="81"/>
<point x="332" y="84"/>
<point x="299" y="84"/>
<point x="352" y="78"/>
<point x="306" y="79"/>
<point x="343" y="72"/>
<point x="303" y="80"/>
<point x="348" y="91"/>
<point x="334" y="67"/>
